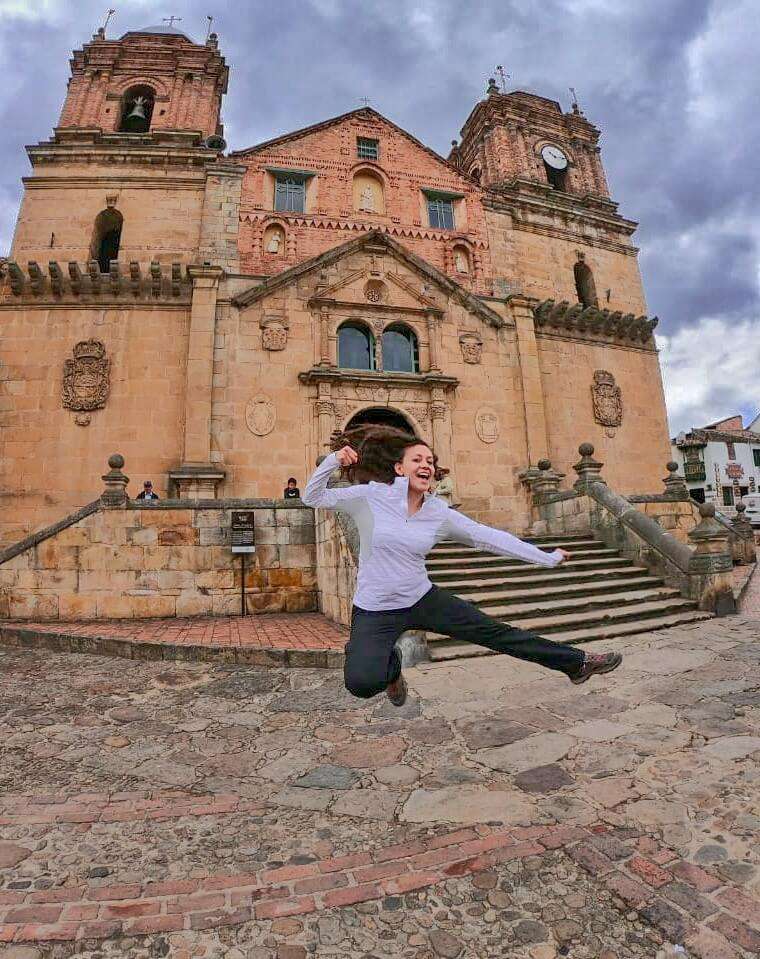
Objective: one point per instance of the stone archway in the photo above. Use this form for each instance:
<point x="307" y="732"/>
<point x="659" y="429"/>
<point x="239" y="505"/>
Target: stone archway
<point x="380" y="416"/>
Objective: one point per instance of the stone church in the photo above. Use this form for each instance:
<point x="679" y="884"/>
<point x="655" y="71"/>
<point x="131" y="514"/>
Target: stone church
<point x="216" y="315"/>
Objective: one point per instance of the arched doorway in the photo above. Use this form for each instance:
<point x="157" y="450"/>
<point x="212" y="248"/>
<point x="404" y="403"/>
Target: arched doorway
<point x="380" y="416"/>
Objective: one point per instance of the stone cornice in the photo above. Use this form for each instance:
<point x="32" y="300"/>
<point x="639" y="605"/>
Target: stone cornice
<point x="368" y="308"/>
<point x="594" y="323"/>
<point x="162" y="147"/>
<point x="329" y="374"/>
<point x="376" y="238"/>
<point x="75" y="284"/>
<point x="524" y="200"/>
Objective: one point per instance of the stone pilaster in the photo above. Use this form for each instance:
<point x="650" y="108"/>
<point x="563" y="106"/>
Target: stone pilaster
<point x="533" y="394"/>
<point x="197" y="477"/>
<point x="221" y="216"/>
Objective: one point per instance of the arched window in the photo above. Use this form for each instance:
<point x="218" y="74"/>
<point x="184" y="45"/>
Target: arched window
<point x="137" y="110"/>
<point x="475" y="174"/>
<point x="106" y="238"/>
<point x="584" y="284"/>
<point x="368" y="193"/>
<point x="401" y="353"/>
<point x="356" y="347"/>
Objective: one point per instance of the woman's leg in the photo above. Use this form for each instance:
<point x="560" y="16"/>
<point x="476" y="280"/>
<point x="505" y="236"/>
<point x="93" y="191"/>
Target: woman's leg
<point x="372" y="660"/>
<point x="442" y="612"/>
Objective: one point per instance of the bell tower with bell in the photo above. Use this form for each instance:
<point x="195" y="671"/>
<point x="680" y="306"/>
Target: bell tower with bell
<point x="135" y="170"/>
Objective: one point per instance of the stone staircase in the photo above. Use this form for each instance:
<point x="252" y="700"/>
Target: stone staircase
<point x="597" y="594"/>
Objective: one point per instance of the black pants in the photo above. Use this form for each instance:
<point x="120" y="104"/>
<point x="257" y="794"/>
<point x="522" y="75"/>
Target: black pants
<point x="373" y="662"/>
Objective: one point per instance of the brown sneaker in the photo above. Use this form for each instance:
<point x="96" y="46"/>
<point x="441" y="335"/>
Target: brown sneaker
<point x="596" y="663"/>
<point x="397" y="691"/>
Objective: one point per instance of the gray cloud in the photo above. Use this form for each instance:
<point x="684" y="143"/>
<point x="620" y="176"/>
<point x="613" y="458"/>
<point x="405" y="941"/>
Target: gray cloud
<point x="671" y="83"/>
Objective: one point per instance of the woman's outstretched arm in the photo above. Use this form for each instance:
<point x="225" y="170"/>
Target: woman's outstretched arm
<point x="462" y="529"/>
<point x="316" y="494"/>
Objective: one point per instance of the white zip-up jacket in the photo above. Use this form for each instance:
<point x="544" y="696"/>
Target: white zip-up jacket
<point x="393" y="544"/>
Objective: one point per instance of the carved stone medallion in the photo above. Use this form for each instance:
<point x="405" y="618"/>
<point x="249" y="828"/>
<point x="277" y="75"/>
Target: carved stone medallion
<point x="607" y="399"/>
<point x="274" y="337"/>
<point x="260" y="415"/>
<point x="471" y="346"/>
<point x="86" y="378"/>
<point x="487" y="425"/>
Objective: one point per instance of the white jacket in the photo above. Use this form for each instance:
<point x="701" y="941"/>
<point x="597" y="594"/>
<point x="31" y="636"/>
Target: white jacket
<point x="393" y="545"/>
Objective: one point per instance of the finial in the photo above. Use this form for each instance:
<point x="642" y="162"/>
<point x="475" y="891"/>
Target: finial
<point x="544" y="464"/>
<point x="586" y="449"/>
<point x="707" y="510"/>
<point x="492" y="88"/>
<point x="503" y="77"/>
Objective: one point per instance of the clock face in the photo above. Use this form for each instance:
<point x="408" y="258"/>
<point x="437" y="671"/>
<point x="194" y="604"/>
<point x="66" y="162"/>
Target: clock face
<point x="554" y="157"/>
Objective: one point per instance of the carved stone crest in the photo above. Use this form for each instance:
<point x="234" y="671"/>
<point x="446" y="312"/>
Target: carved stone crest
<point x="471" y="346"/>
<point x="607" y="399"/>
<point x="260" y="415"/>
<point x="86" y="378"/>
<point x="274" y="333"/>
<point x="487" y="425"/>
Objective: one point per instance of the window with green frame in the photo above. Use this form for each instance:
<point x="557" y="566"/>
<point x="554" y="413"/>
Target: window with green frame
<point x="440" y="212"/>
<point x="756" y="456"/>
<point x="290" y="194"/>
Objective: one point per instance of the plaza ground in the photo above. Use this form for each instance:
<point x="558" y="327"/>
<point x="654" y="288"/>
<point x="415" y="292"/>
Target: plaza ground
<point x="156" y="808"/>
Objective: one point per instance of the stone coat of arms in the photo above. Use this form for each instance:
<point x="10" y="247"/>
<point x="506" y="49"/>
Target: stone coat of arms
<point x="607" y="399"/>
<point x="86" y="378"/>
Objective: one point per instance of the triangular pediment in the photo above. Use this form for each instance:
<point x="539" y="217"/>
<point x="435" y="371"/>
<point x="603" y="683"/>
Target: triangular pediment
<point x="373" y="262"/>
<point x="370" y="119"/>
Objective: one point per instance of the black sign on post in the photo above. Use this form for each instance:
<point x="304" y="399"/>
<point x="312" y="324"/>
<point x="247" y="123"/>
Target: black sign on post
<point x="242" y="540"/>
<point x="242" y="531"/>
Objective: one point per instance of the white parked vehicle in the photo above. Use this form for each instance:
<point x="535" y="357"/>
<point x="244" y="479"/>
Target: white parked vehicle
<point x="752" y="502"/>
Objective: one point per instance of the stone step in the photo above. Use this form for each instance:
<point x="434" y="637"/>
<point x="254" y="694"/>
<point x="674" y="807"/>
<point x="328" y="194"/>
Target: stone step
<point x="507" y="590"/>
<point x="549" y="606"/>
<point x="589" y="619"/>
<point x="518" y="569"/>
<point x="546" y="579"/>
<point x="446" y="649"/>
<point x="490" y="559"/>
<point x="443" y="550"/>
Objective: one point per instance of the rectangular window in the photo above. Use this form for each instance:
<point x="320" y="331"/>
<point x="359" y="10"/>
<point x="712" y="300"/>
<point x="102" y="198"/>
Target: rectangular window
<point x="728" y="496"/>
<point x="367" y="149"/>
<point x="290" y="194"/>
<point x="440" y="213"/>
<point x="731" y="451"/>
<point x="756" y="457"/>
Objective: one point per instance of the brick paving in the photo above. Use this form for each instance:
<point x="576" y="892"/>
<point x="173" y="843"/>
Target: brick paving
<point x="203" y="809"/>
<point x="284" y="638"/>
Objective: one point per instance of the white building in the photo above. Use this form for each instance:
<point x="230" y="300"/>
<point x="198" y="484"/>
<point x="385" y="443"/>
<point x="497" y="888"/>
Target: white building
<point x="721" y="461"/>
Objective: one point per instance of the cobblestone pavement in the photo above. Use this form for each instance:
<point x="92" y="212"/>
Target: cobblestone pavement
<point x="188" y="809"/>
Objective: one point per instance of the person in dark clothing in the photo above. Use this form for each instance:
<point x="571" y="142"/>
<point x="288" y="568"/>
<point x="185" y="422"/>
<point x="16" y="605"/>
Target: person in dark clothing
<point x="147" y="491"/>
<point x="291" y="490"/>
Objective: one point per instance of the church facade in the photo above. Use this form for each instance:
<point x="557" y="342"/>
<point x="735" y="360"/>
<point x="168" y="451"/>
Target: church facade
<point x="217" y="316"/>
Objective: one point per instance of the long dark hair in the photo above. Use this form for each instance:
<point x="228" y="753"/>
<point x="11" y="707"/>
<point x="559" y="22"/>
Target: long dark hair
<point x="379" y="449"/>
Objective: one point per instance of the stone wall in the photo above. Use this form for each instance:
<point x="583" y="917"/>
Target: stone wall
<point x="675" y="517"/>
<point x="170" y="559"/>
<point x="336" y="565"/>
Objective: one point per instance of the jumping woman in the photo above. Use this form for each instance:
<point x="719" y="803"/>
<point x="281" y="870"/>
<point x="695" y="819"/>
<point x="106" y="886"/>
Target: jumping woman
<point x="399" y="522"/>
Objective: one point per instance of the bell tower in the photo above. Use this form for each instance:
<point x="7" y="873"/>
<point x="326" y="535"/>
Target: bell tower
<point x="134" y="171"/>
<point x="520" y="136"/>
<point x="150" y="80"/>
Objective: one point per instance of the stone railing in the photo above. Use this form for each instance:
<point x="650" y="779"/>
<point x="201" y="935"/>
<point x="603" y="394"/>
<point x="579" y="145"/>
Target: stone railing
<point x="73" y="281"/>
<point x="658" y="531"/>
<point x="122" y="558"/>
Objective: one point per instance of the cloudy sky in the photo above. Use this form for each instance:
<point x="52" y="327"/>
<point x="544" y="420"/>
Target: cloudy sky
<point x="673" y="84"/>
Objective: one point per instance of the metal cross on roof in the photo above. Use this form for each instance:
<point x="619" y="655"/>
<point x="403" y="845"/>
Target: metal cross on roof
<point x="365" y="100"/>
<point x="503" y="77"/>
<point x="171" y="21"/>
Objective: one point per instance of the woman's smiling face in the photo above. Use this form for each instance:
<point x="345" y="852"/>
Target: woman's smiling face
<point x="418" y="466"/>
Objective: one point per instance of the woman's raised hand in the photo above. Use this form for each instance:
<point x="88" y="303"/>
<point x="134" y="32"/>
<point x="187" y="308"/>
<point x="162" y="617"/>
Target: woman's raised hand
<point x="347" y="456"/>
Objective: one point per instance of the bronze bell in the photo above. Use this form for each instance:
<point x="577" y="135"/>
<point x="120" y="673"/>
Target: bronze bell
<point x="136" y="121"/>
